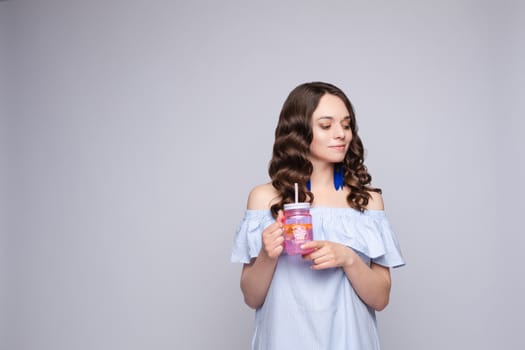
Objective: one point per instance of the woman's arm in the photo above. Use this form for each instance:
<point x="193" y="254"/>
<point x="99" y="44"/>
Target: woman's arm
<point x="372" y="283"/>
<point x="257" y="276"/>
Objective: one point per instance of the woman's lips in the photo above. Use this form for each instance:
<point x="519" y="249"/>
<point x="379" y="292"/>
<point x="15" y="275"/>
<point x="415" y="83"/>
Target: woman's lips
<point x="340" y="148"/>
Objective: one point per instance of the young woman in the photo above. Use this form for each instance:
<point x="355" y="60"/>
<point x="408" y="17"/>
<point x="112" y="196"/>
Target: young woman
<point x="325" y="299"/>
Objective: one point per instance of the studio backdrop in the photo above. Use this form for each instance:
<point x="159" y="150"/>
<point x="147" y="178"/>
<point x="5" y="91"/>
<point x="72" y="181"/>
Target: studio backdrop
<point x="132" y="132"/>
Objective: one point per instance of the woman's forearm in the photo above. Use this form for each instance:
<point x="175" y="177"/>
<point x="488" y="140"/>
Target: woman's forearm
<point x="371" y="283"/>
<point x="256" y="278"/>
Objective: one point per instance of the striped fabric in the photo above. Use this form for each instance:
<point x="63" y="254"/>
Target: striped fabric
<point x="308" y="309"/>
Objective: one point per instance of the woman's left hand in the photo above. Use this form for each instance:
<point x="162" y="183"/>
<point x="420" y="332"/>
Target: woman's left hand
<point x="328" y="254"/>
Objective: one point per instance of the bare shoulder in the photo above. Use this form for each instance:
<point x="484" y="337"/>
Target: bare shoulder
<point x="262" y="197"/>
<point x="376" y="201"/>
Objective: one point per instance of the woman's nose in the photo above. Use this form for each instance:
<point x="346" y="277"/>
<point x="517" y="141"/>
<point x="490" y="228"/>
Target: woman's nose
<point x="339" y="132"/>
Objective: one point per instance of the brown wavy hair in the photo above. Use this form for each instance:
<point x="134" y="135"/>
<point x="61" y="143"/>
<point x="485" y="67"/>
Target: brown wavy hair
<point x="293" y="136"/>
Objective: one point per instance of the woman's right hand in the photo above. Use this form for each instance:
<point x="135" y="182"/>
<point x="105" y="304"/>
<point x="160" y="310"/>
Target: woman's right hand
<point x="272" y="237"/>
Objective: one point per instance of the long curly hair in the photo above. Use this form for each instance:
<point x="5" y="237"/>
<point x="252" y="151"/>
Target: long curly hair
<point x="293" y="136"/>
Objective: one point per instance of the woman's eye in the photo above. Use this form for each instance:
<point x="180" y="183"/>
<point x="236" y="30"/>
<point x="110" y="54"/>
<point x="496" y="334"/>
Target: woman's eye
<point x="325" y="126"/>
<point x="346" y="126"/>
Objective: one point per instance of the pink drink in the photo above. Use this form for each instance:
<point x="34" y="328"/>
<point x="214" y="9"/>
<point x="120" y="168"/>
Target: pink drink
<point x="297" y="227"/>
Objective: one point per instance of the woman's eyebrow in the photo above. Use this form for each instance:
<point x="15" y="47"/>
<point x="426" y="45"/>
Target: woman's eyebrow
<point x="331" y="118"/>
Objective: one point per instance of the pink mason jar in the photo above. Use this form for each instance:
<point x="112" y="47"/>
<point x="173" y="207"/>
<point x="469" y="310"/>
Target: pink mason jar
<point x="297" y="227"/>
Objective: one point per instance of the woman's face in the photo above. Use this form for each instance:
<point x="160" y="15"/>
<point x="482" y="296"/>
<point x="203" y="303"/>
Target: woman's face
<point x="331" y="131"/>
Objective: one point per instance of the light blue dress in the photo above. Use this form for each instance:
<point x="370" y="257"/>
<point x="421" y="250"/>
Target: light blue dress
<point x="318" y="309"/>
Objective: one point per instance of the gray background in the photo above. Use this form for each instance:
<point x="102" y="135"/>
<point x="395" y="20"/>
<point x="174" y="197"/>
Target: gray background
<point x="3" y="182"/>
<point x="132" y="132"/>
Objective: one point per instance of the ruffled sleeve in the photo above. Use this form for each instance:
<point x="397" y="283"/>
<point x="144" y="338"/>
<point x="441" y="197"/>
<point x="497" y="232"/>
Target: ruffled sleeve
<point x="369" y="233"/>
<point x="247" y="241"/>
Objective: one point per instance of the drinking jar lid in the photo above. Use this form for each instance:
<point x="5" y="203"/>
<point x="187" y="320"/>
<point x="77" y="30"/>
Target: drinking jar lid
<point x="300" y="205"/>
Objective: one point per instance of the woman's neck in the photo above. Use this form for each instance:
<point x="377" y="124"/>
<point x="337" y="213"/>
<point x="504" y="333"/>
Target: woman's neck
<point x="322" y="176"/>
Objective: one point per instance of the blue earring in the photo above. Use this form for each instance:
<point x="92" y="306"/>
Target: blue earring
<point x="339" y="180"/>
